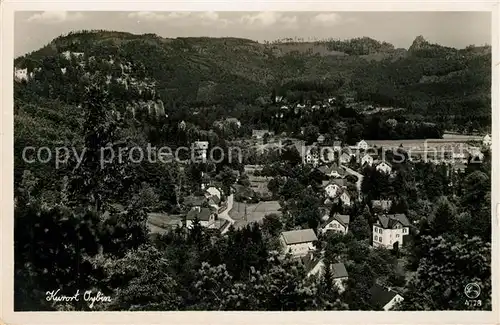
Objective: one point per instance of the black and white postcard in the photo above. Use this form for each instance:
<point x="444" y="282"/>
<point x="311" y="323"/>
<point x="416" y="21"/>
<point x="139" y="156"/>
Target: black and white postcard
<point x="254" y="160"/>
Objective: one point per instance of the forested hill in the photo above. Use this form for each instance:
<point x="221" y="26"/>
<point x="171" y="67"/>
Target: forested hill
<point x="428" y="78"/>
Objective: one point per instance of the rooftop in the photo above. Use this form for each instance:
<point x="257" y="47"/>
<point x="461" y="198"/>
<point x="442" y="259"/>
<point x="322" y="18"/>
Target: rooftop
<point x="203" y="214"/>
<point x="343" y="219"/>
<point x="380" y="296"/>
<point x="388" y="221"/>
<point x="299" y="236"/>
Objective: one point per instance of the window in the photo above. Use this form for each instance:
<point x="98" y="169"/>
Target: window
<point x="380" y="230"/>
<point x="397" y="235"/>
<point x="405" y="230"/>
<point x="380" y="239"/>
<point x="376" y="237"/>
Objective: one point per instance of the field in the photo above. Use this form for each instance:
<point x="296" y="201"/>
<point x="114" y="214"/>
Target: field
<point x="449" y="141"/>
<point x="161" y="222"/>
<point x="254" y="212"/>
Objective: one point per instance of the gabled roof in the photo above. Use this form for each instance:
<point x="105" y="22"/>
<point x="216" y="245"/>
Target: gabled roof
<point x="310" y="262"/>
<point x="339" y="181"/>
<point x="388" y="221"/>
<point x="203" y="215"/>
<point x="383" y="162"/>
<point x="299" y="236"/>
<point x="339" y="270"/>
<point x="334" y="168"/>
<point x="367" y="156"/>
<point x="380" y="296"/>
<point x="323" y="169"/>
<point x="343" y="219"/>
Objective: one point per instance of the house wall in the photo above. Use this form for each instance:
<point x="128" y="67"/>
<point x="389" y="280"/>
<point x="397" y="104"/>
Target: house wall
<point x="340" y="283"/>
<point x="203" y="223"/>
<point x="317" y="269"/>
<point x="298" y="250"/>
<point x="384" y="168"/>
<point x="368" y="161"/>
<point x="389" y="236"/>
<point x="334" y="225"/>
<point x="393" y="302"/>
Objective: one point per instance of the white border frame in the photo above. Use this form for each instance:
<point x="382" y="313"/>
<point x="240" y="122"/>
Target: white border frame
<point x="348" y="317"/>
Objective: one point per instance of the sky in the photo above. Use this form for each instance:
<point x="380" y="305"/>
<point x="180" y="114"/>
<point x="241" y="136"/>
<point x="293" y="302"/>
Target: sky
<point x="32" y="30"/>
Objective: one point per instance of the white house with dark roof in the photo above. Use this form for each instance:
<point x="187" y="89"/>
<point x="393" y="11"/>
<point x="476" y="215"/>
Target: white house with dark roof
<point x="384" y="167"/>
<point x="367" y="160"/>
<point x="298" y="242"/>
<point x="205" y="216"/>
<point x="336" y="189"/>
<point x="316" y="267"/>
<point x="389" y="230"/>
<point x="487" y="140"/>
<point x="345" y="158"/>
<point x="345" y="198"/>
<point x="384" y="298"/>
<point x="337" y="223"/>
<point x="362" y="145"/>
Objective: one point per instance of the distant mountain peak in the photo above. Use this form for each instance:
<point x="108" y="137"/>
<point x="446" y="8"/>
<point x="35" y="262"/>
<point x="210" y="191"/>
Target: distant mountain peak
<point x="419" y="43"/>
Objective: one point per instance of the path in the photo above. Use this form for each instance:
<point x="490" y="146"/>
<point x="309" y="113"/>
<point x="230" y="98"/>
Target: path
<point x="360" y="179"/>
<point x="225" y="214"/>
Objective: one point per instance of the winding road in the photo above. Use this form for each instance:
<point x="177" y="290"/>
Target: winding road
<point x="225" y="214"/>
<point x="359" y="176"/>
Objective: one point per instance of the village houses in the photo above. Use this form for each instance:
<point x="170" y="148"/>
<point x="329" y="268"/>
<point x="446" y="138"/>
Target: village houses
<point x="333" y="187"/>
<point x="298" y="242"/>
<point x="337" y="189"/>
<point x="345" y="158"/>
<point x="384" y="298"/>
<point x="389" y="230"/>
<point x="333" y="171"/>
<point x="487" y="140"/>
<point x="337" y="223"/>
<point x="316" y="267"/>
<point x="362" y="145"/>
<point x="205" y="216"/>
<point x="384" y="167"/>
<point x="367" y="160"/>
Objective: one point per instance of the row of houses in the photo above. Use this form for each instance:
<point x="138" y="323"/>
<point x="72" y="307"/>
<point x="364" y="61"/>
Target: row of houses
<point x="204" y="208"/>
<point x="300" y="243"/>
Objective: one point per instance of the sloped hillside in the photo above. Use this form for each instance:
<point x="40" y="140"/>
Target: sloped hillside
<point x="196" y="72"/>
